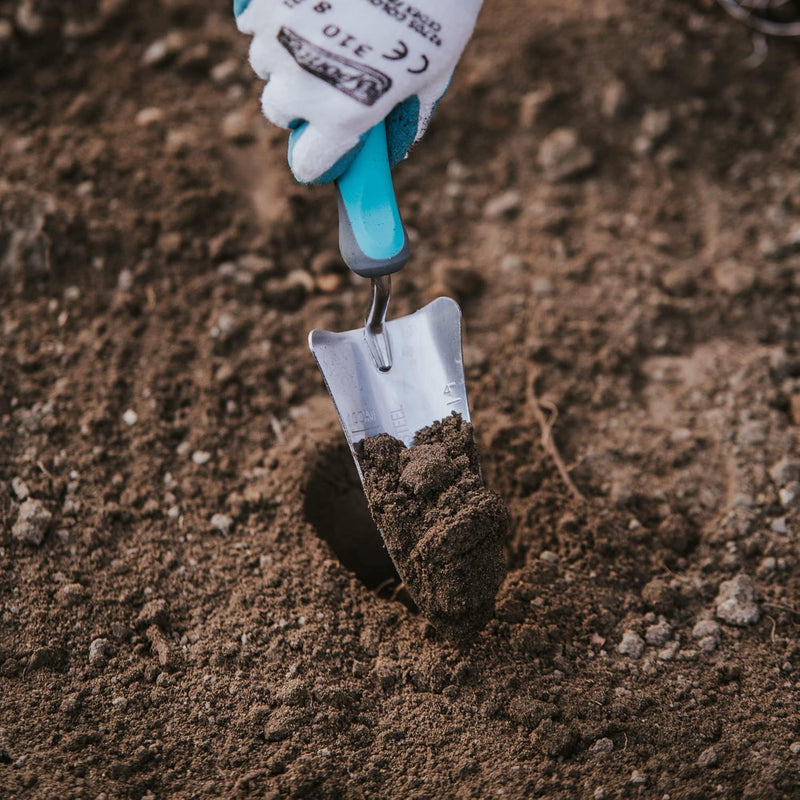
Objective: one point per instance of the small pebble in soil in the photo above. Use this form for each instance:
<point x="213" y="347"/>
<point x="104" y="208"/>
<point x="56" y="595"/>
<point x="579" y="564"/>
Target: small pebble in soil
<point x="161" y="50"/>
<point x="766" y="569"/>
<point x="71" y="594"/>
<point x="659" y="634"/>
<point x="604" y="745"/>
<point x="708" y="644"/>
<point x="20" y="489"/>
<point x="130" y="417"/>
<point x="512" y="263"/>
<point x="99" y="650"/>
<point x="789" y="495"/>
<point x="225" y="72"/>
<point x="707" y="632"/>
<point x="443" y="528"/>
<point x="613" y="99"/>
<point x="706" y="627"/>
<point x="563" y="157"/>
<point x="638" y="778"/>
<point x="221" y="523"/>
<point x="32" y="522"/>
<point x="28" y="20"/>
<point x="669" y="652"/>
<point x="655" y="126"/>
<point x="708" y="758"/>
<point x="736" y="602"/>
<point x="503" y="206"/>
<point x="532" y="104"/>
<point x="149" y="116"/>
<point x="631" y="645"/>
<point x="179" y="142"/>
<point x="125" y="280"/>
<point x="779" y="526"/>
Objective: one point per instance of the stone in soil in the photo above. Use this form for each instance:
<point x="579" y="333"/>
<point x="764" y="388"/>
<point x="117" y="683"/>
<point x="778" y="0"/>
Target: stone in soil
<point x="736" y="602"/>
<point x="631" y="645"/>
<point x="785" y="471"/>
<point x="32" y="522"/>
<point x="659" y="634"/>
<point x="563" y="157"/>
<point x="706" y="628"/>
<point x="443" y="528"/>
<point x="505" y="205"/>
<point x="20" y="489"/>
<point x="221" y="523"/>
<point x="99" y="650"/>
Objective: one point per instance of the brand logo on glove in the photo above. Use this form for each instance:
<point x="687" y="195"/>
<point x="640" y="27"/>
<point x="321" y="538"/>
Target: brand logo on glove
<point x="358" y="81"/>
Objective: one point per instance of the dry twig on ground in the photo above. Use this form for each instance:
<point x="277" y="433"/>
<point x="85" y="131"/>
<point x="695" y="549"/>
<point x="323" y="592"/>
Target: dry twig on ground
<point x="547" y="429"/>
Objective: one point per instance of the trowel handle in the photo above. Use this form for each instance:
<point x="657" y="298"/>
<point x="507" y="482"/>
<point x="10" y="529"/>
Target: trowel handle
<point x="372" y="238"/>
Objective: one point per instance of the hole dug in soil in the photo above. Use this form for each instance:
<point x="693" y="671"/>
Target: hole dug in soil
<point x="337" y="508"/>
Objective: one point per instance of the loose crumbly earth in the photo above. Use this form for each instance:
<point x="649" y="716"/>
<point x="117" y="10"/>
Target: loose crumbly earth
<point x="444" y="530"/>
<point x="611" y="190"/>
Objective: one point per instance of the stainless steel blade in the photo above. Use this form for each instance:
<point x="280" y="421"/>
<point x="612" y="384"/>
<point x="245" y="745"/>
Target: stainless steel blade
<point x="424" y="384"/>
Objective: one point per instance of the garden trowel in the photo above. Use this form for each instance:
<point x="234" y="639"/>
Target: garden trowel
<point x="392" y="377"/>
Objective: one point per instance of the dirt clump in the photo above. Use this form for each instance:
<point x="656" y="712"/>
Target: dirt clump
<point x="443" y="528"/>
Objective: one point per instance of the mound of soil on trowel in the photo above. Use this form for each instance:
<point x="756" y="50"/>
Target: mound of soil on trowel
<point x="444" y="529"/>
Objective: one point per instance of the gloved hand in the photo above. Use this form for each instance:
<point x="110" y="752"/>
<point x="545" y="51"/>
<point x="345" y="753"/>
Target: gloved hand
<point x="335" y="68"/>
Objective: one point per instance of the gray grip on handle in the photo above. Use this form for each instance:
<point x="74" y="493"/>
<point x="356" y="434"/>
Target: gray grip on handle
<point x="356" y="259"/>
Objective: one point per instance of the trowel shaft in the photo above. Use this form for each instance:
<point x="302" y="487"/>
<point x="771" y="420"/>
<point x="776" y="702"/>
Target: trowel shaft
<point x="375" y="325"/>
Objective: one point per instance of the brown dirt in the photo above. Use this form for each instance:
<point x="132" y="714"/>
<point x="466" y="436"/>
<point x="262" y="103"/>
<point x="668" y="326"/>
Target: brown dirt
<point x="444" y="530"/>
<point x="194" y="623"/>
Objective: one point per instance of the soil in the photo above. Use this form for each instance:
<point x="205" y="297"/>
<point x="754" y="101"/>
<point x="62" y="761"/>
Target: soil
<point x="611" y="190"/>
<point x="444" y="530"/>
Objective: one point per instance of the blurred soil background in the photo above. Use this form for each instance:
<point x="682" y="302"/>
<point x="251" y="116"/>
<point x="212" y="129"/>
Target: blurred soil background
<point x="189" y="606"/>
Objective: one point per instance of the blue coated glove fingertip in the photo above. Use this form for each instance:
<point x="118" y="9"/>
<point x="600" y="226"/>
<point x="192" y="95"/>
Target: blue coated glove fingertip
<point x="402" y="125"/>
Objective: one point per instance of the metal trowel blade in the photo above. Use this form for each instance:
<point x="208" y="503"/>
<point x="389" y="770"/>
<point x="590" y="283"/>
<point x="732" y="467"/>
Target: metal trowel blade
<point x="425" y="383"/>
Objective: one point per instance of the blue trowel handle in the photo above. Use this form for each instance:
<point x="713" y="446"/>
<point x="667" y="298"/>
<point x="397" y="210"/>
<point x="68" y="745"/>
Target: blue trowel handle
<point x="372" y="238"/>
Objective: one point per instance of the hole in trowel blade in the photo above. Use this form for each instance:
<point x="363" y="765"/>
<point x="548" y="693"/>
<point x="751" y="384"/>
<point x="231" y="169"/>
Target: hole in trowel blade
<point x="337" y="508"/>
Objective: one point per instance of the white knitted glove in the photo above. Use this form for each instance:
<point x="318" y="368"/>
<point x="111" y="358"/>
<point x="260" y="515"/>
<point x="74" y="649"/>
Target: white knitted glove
<point x="335" y="68"/>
